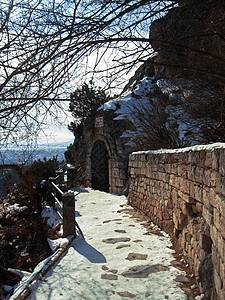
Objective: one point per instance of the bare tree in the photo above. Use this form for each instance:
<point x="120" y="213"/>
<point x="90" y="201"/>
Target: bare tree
<point x="47" y="46"/>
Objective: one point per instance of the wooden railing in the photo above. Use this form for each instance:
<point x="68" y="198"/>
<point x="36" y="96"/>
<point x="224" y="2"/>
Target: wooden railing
<point x="66" y="201"/>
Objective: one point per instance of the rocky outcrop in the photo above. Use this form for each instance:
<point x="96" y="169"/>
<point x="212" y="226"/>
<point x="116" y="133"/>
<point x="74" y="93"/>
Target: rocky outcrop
<point x="190" y="40"/>
<point x="186" y="102"/>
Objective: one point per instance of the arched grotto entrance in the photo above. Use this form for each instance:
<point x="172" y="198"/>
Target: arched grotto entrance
<point x="100" y="167"/>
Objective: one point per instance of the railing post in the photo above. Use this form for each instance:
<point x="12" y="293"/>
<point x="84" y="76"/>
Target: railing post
<point x="60" y="177"/>
<point x="68" y="214"/>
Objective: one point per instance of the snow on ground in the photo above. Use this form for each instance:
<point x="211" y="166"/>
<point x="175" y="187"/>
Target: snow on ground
<point x="97" y="267"/>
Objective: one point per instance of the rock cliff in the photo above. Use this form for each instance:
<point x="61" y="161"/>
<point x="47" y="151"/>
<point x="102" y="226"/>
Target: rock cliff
<point x="188" y="74"/>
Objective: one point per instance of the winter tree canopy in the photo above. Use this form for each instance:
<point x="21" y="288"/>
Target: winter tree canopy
<point x="47" y="47"/>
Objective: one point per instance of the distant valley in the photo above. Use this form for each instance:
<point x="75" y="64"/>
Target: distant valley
<point x="43" y="151"/>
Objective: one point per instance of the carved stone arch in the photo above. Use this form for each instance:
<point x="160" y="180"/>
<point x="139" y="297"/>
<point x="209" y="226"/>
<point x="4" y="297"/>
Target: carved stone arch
<point x="106" y="141"/>
<point x="100" y="161"/>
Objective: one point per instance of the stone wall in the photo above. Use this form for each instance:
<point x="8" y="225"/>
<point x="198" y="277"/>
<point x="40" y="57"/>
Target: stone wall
<point x="183" y="192"/>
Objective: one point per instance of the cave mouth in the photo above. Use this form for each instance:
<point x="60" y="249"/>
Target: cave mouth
<point x="100" y="167"/>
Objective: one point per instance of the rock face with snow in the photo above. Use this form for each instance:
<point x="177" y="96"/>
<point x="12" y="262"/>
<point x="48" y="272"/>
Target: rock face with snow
<point x="183" y="104"/>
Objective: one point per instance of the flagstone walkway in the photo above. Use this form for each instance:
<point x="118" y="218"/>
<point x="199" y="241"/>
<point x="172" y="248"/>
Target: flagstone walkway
<point x="121" y="256"/>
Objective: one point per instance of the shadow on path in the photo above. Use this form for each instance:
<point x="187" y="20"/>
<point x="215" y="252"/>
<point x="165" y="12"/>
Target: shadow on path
<point x="85" y="249"/>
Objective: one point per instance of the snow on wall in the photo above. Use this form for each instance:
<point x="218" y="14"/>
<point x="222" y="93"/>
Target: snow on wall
<point x="208" y="147"/>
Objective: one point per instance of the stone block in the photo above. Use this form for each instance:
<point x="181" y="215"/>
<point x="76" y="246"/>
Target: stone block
<point x="216" y="159"/>
<point x="115" y="172"/>
<point x="181" y="219"/>
<point x="182" y="243"/>
<point x="183" y="207"/>
<point x="199" y="174"/>
<point x="202" y="157"/>
<point x="190" y="157"/>
<point x="219" y="184"/>
<point x="199" y="207"/>
<point x="212" y="197"/>
<point x="189" y="250"/>
<point x="223" y="186"/>
<point x="222" y="270"/>
<point x="143" y="171"/>
<point x="173" y="169"/>
<point x="174" y="195"/>
<point x="184" y="172"/>
<point x="193" y="208"/>
<point x="222" y="162"/>
<point x="184" y="185"/>
<point x="216" y="218"/>
<point x="140" y="164"/>
<point x="161" y="167"/>
<point x="207" y="215"/>
<point x="148" y="171"/>
<point x="119" y="183"/>
<point x="220" y="204"/>
<point x="220" y="248"/>
<point x="172" y="180"/>
<point x="179" y="169"/>
<point x="165" y="177"/>
<point x="208" y="159"/>
<point x="207" y="177"/>
<point x="165" y="186"/>
<point x="175" y="221"/>
<point x="214" y="235"/>
<point x="218" y="283"/>
<point x="198" y="193"/>
<point x="132" y="171"/>
<point x="213" y="179"/>
<point x="205" y="196"/>
<point x="191" y="172"/>
<point x="170" y="203"/>
<point x="132" y="157"/>
<point x="139" y="171"/>
<point x="192" y="189"/>
<point x="113" y="182"/>
<point x="135" y="164"/>
<point x="185" y="197"/>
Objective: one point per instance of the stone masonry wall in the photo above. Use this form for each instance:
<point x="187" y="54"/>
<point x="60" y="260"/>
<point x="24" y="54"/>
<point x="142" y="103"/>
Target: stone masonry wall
<point x="184" y="193"/>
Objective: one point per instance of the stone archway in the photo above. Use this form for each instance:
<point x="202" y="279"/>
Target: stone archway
<point x="100" y="167"/>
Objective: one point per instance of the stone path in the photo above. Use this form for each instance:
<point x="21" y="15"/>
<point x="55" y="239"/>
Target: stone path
<point x="122" y="256"/>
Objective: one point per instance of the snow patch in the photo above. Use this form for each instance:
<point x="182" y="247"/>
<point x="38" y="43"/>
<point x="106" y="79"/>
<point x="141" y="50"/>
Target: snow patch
<point x="15" y="207"/>
<point x="55" y="244"/>
<point x="52" y="216"/>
